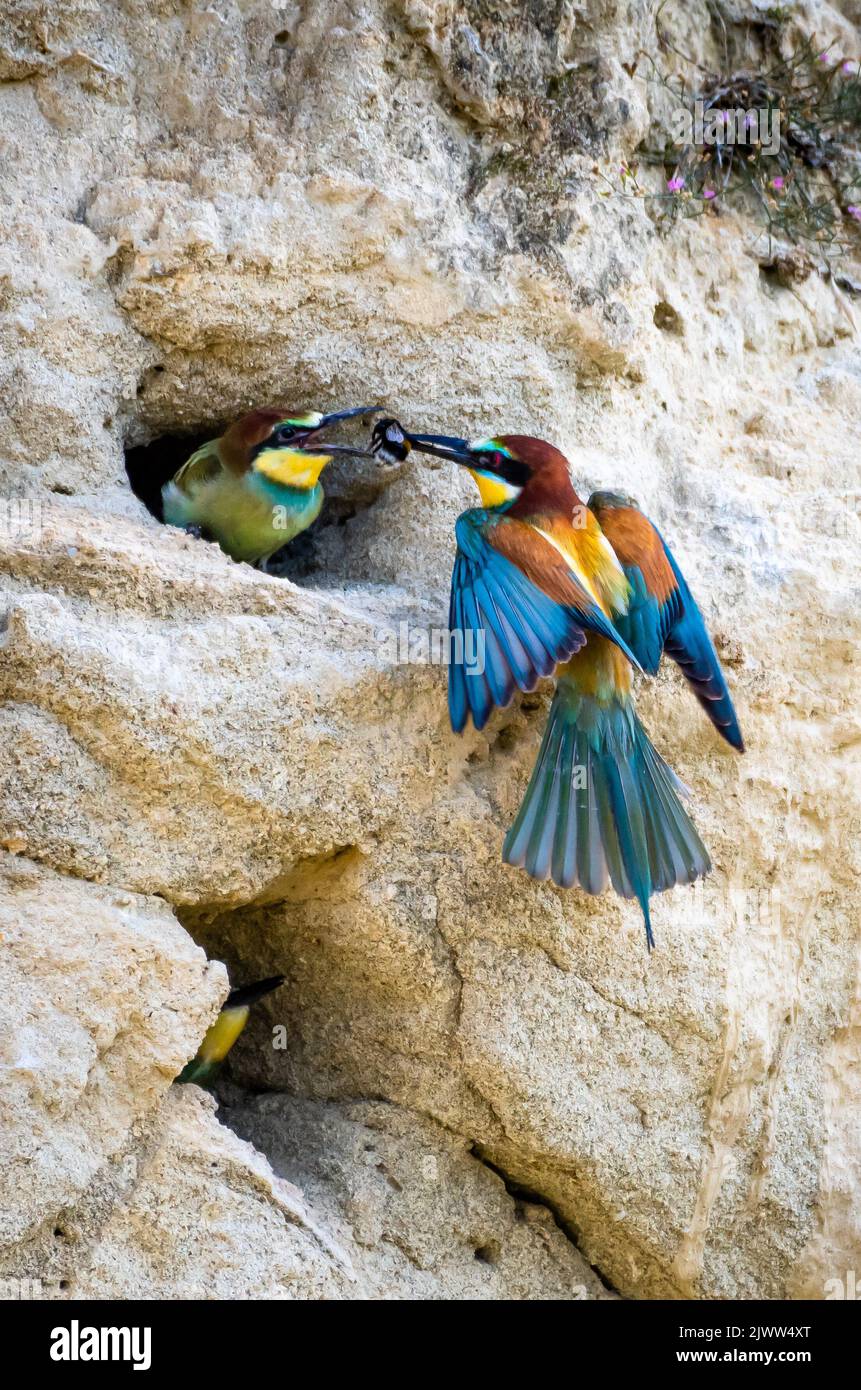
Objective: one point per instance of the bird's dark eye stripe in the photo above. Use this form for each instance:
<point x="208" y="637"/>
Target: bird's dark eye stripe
<point x="282" y="435"/>
<point x="512" y="470"/>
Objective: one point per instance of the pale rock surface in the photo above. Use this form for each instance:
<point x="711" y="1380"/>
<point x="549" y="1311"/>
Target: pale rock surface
<point x="209" y="205"/>
<point x="422" y="1215"/>
<point x="102" y="999"/>
<point x="206" y="1218"/>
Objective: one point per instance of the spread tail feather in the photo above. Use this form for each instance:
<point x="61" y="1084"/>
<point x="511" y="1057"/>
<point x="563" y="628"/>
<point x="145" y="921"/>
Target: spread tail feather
<point x="602" y="805"/>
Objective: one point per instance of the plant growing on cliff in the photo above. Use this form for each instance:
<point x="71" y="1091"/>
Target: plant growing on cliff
<point x="801" y="182"/>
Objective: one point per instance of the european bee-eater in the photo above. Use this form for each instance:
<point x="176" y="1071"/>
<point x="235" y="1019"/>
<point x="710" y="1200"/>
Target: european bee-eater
<point x="221" y="1036"/>
<point x="257" y="486"/>
<point x="585" y="591"/>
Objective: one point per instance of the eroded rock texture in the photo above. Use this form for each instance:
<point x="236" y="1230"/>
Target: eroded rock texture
<point x="210" y="205"/>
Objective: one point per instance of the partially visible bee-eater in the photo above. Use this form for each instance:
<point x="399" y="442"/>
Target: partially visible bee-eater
<point x="586" y="592"/>
<point x="222" y="1034"/>
<point x="257" y="486"/>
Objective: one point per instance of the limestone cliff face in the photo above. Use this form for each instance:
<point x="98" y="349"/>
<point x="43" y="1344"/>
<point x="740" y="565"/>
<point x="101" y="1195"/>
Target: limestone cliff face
<point x="477" y="1086"/>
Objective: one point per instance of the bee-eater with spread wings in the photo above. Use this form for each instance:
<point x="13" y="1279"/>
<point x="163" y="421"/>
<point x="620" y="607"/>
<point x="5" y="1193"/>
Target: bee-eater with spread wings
<point x="257" y="486"/>
<point x="588" y="593"/>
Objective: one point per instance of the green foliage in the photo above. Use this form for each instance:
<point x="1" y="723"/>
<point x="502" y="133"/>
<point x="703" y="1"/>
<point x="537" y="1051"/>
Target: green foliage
<point x="808" y="191"/>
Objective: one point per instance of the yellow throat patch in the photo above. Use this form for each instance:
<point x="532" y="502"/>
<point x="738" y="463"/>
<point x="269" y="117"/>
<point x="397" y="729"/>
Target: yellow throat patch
<point x="494" y="491"/>
<point x="290" y="467"/>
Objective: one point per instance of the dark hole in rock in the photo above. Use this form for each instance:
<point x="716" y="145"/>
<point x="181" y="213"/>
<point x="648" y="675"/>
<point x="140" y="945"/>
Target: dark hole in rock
<point x="487" y="1254"/>
<point x="351" y="486"/>
<point x="150" y="466"/>
<point x="509" y="736"/>
<point x="148" y="377"/>
<point x="667" y="319"/>
<point x="530" y="703"/>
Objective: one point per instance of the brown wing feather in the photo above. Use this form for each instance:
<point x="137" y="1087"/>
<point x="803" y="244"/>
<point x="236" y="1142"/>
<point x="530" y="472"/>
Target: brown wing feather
<point x="636" y="542"/>
<point x="540" y="562"/>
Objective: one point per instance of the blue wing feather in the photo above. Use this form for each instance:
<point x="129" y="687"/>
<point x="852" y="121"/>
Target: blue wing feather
<point x="525" y="633"/>
<point x="647" y="622"/>
<point x="458" y="699"/>
<point x="689" y="644"/>
<point x="675" y="626"/>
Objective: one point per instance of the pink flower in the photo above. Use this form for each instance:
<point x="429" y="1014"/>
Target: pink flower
<point x="850" y="65"/>
<point x="675" y="185"/>
<point x="823" y="58"/>
<point x="709" y="193"/>
<point x="854" y="211"/>
<point x="777" y="183"/>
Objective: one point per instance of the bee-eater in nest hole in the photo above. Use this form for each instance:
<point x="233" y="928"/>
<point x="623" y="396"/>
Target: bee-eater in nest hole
<point x="587" y="592"/>
<point x="221" y="1036"/>
<point x="257" y="486"/>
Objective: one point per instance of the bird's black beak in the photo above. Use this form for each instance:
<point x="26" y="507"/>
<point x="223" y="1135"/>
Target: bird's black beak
<point x="311" y="438"/>
<point x="249" y="994"/>
<point x="348" y="414"/>
<point x="323" y="447"/>
<point x="444" y="446"/>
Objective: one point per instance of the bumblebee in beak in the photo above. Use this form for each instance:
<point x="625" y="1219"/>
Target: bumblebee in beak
<point x="393" y="444"/>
